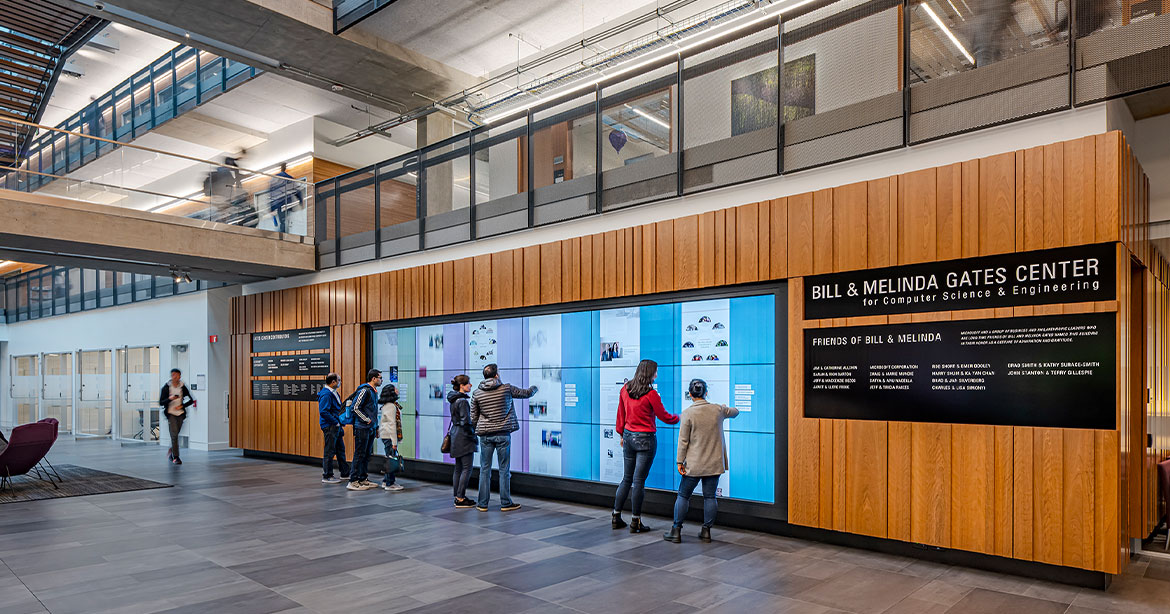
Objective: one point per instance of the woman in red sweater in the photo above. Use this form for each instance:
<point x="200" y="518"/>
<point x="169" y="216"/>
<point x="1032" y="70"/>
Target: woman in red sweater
<point x="638" y="405"/>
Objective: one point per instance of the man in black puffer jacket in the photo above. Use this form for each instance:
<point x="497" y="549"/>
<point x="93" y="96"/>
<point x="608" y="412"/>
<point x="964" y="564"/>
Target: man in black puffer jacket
<point x="494" y="418"/>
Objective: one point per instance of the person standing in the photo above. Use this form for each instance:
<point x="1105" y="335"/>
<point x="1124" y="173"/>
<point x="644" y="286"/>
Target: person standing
<point x="390" y="431"/>
<point x="463" y="442"/>
<point x="282" y="194"/>
<point x="329" y="407"/>
<point x="701" y="458"/>
<point x="494" y="418"/>
<point x="365" y="413"/>
<point x="175" y="399"/>
<point x="638" y="405"/>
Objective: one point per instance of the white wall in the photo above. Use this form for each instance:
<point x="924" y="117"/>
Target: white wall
<point x="358" y="154"/>
<point x="187" y="319"/>
<point x="1150" y="140"/>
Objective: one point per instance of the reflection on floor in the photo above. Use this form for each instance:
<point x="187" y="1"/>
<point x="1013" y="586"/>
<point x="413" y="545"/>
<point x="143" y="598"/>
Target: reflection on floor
<point x="250" y="536"/>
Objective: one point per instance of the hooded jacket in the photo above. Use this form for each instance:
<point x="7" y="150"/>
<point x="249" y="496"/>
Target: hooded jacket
<point x="462" y="436"/>
<point x="365" y="407"/>
<point x="492" y="412"/>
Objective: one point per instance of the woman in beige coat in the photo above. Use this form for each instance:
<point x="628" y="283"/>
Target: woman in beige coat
<point x="701" y="458"/>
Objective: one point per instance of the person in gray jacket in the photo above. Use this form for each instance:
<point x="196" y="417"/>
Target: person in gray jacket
<point x="701" y="458"/>
<point x="494" y="418"/>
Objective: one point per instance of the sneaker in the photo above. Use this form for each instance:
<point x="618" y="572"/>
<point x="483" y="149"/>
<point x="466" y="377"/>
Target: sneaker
<point x="368" y="484"/>
<point x="510" y="508"/>
<point x="357" y="486"/>
<point x="176" y="460"/>
<point x="481" y="508"/>
<point x="393" y="487"/>
<point x="345" y="478"/>
<point x="464" y="503"/>
<point x="330" y="480"/>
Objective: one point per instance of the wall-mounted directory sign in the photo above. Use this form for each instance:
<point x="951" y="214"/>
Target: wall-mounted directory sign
<point x="291" y="340"/>
<point x="304" y="364"/>
<point x="1062" y="275"/>
<point x="287" y="390"/>
<point x="1051" y="371"/>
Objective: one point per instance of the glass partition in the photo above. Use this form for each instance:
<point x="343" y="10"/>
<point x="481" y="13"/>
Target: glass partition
<point x="95" y="398"/>
<point x="564" y="160"/>
<point x="501" y="178"/>
<point x="355" y="193"/>
<point x="25" y="387"/>
<point x="57" y="390"/>
<point x="398" y="205"/>
<point x="138" y="381"/>
<point x="638" y="158"/>
<point x="731" y="108"/>
<point x="446" y="169"/>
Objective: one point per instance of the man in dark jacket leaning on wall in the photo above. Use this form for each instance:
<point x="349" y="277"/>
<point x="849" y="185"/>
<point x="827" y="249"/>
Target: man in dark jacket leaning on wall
<point x="365" y="424"/>
<point x="494" y="418"/>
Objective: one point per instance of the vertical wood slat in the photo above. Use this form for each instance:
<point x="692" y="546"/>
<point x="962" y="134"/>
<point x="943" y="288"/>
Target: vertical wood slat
<point x="850" y="227"/>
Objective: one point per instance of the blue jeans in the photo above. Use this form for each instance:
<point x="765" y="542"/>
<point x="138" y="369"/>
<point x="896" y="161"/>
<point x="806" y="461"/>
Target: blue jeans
<point x="638" y="453"/>
<point x="334" y="446"/>
<point x="683" y="502"/>
<point x="390" y="448"/>
<point x="363" y="444"/>
<point x="502" y="446"/>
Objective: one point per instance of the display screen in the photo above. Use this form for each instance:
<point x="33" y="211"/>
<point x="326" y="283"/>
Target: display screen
<point x="579" y="361"/>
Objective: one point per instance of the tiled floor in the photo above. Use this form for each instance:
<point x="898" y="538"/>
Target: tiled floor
<point x="250" y="536"/>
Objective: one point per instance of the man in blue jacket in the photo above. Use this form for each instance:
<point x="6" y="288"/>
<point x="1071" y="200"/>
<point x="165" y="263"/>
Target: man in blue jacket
<point x="365" y="426"/>
<point x="329" y="406"/>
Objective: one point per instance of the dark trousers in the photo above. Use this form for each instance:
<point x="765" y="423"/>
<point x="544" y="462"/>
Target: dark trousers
<point x="363" y="442"/>
<point x="638" y="452"/>
<point x="462" y="475"/>
<point x="334" y="446"/>
<point x="176" y="424"/>
<point x="686" y="488"/>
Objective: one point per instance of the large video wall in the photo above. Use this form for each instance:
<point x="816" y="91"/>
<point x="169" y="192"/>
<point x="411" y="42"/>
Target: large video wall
<point x="579" y="361"/>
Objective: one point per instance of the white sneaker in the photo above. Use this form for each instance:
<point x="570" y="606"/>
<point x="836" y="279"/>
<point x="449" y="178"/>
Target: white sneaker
<point x="359" y="486"/>
<point x="393" y="487"/>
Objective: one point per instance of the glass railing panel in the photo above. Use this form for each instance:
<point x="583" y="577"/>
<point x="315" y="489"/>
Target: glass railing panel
<point x="211" y="76"/>
<point x="356" y="217"/>
<point x="730" y="111"/>
<point x="978" y="64"/>
<point x="164" y="89"/>
<point x="186" y="80"/>
<point x="123" y="113"/>
<point x="74" y="293"/>
<point x="398" y="206"/>
<point x="841" y="83"/>
<point x="501" y="178"/>
<point x="447" y="173"/>
<point x="639" y="158"/>
<point x="1122" y="47"/>
<point x="143" y="102"/>
<point x="564" y="159"/>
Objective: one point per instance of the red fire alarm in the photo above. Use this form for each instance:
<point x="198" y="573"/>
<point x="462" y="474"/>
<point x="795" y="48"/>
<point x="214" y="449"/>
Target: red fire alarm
<point x="214" y="338"/>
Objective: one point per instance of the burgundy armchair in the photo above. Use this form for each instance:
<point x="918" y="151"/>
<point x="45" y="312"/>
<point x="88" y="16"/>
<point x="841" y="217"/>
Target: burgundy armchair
<point x="26" y="448"/>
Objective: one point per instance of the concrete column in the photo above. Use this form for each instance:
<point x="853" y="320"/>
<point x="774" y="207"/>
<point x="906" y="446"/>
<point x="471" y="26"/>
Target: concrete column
<point x="432" y="129"/>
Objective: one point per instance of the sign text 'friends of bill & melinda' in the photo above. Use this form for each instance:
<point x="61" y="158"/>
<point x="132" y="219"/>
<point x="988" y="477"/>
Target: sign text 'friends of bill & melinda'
<point x="1062" y="275"/>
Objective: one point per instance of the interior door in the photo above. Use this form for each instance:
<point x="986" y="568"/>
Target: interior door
<point x="138" y="383"/>
<point x="57" y="389"/>
<point x="25" y="387"/>
<point x="95" y="394"/>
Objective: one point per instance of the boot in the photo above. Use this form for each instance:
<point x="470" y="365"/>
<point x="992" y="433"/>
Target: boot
<point x="636" y="525"/>
<point x="617" y="522"/>
<point x="674" y="536"/>
<point x="705" y="535"/>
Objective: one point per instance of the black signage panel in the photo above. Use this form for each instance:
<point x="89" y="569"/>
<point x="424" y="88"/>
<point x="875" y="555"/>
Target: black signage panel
<point x="1050" y="371"/>
<point x="288" y="390"/>
<point x="292" y="340"/>
<point x="1062" y="275"/>
<point x="305" y="364"/>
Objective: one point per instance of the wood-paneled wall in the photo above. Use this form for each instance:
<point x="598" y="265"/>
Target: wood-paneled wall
<point x="1053" y="495"/>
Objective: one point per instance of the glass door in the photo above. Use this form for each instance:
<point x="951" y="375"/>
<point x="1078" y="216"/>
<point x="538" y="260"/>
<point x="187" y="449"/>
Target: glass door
<point x="25" y="387"/>
<point x="95" y="404"/>
<point x="139" y="383"/>
<point x="57" y="390"/>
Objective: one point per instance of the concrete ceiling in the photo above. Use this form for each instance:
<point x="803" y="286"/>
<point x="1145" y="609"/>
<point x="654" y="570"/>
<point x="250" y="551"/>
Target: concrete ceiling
<point x="473" y="35"/>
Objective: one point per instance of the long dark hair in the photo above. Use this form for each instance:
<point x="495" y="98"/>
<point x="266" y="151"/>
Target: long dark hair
<point x="643" y="377"/>
<point x="459" y="381"/>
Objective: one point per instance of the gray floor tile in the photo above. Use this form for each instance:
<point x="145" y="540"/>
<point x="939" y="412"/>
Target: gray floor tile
<point x="982" y="601"/>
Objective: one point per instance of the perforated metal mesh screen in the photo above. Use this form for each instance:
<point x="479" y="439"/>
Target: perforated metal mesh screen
<point x="841" y="80"/>
<point x="731" y="109"/>
<point x="1122" y="47"/>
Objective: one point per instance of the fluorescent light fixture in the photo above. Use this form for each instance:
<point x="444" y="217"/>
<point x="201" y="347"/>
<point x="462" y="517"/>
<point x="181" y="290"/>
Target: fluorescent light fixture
<point x="723" y="30"/>
<point x="7" y="262"/>
<point x="648" y="116"/>
<point x="947" y="31"/>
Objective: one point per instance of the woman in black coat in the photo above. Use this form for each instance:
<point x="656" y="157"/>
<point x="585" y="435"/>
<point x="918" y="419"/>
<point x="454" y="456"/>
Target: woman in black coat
<point x="463" y="442"/>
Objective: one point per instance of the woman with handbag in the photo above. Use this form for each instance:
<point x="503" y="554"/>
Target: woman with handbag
<point x="460" y="441"/>
<point x="390" y="431"/>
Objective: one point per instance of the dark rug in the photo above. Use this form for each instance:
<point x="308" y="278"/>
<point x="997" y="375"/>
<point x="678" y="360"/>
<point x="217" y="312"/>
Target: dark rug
<point x="77" y="481"/>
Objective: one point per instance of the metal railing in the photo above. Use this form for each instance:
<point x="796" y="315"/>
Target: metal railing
<point x="175" y="83"/>
<point x="820" y="84"/>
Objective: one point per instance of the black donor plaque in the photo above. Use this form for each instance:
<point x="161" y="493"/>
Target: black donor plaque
<point x="1062" y="275"/>
<point x="291" y="340"/>
<point x="305" y="364"/>
<point x="1051" y="371"/>
<point x="287" y="390"/>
